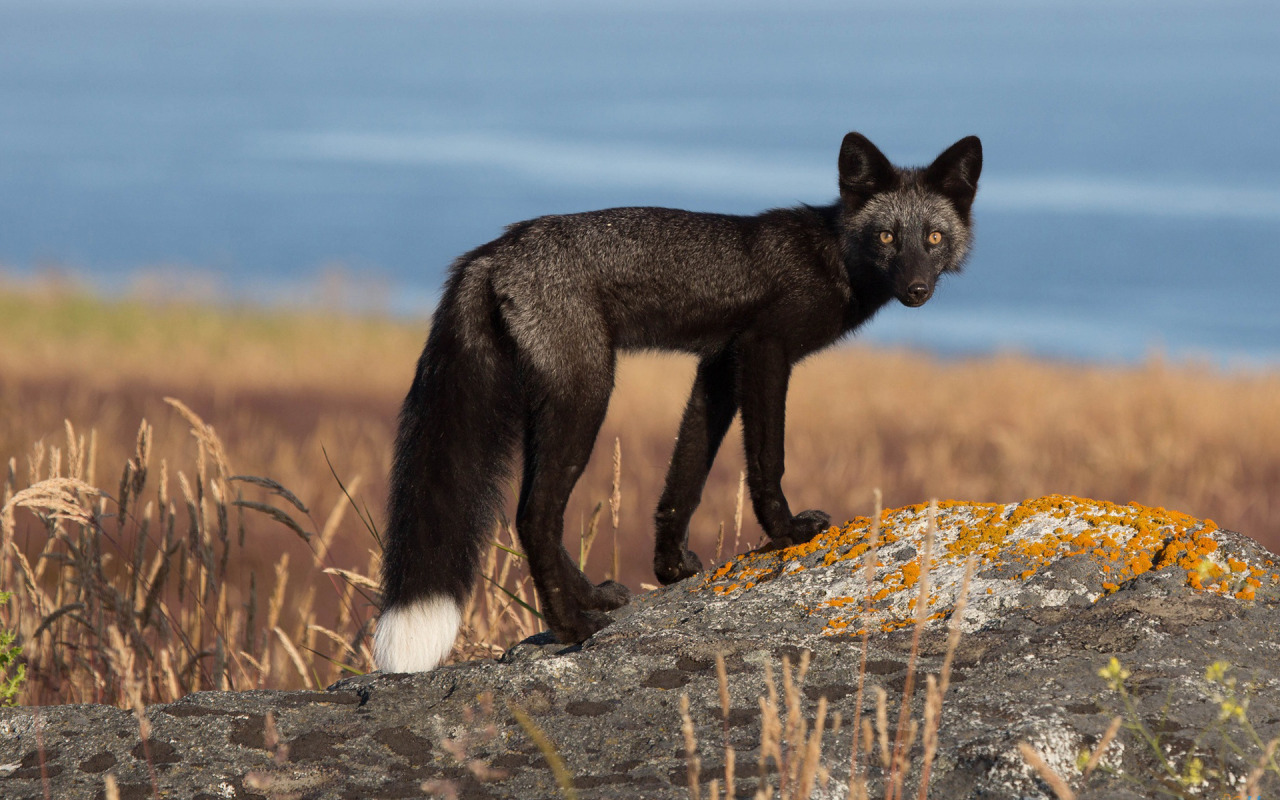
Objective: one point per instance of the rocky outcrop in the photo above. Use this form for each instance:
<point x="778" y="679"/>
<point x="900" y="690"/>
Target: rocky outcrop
<point x="1061" y="586"/>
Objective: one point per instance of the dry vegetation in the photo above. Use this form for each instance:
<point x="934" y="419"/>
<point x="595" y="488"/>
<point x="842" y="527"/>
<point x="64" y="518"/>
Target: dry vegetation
<point x="148" y="539"/>
<point x="795" y="745"/>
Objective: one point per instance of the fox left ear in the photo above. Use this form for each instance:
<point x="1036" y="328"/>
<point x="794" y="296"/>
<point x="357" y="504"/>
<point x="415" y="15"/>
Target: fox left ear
<point x="955" y="173"/>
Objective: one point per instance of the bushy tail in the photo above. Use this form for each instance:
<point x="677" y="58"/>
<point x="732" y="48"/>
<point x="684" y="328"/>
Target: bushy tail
<point x="457" y="429"/>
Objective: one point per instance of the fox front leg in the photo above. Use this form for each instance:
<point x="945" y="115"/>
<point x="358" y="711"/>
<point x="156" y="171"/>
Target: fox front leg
<point x="707" y="417"/>
<point x="764" y="372"/>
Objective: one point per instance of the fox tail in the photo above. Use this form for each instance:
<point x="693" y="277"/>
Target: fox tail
<point x="457" y="428"/>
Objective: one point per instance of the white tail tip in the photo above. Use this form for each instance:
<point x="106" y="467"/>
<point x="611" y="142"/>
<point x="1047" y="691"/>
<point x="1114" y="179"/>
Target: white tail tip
<point x="416" y="637"/>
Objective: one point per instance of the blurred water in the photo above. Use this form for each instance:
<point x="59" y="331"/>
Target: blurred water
<point x="1130" y="201"/>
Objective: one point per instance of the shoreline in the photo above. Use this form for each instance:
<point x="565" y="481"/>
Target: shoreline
<point x="339" y="293"/>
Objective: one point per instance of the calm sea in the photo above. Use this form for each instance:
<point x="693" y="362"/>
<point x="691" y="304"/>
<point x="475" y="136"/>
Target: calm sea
<point x="1130" y="202"/>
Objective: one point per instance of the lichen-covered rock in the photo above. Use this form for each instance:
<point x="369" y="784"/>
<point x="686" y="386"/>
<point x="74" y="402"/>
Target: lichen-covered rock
<point x="1086" y="548"/>
<point x="1060" y="587"/>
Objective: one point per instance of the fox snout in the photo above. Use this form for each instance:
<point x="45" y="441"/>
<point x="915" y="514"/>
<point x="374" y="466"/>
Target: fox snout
<point x="916" y="293"/>
<point x="914" y="281"/>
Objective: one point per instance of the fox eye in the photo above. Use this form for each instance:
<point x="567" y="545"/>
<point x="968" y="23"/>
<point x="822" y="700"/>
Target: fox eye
<point x="935" y="237"/>
<point x="886" y="237"/>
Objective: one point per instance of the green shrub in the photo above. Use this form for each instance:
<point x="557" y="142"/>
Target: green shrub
<point x="11" y="678"/>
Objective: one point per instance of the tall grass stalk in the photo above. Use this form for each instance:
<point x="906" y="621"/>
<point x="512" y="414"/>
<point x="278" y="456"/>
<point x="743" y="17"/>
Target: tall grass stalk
<point x="140" y="594"/>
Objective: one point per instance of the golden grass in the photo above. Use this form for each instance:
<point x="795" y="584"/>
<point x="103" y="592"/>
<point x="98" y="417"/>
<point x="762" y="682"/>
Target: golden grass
<point x="272" y="388"/>
<point x="795" y="745"/>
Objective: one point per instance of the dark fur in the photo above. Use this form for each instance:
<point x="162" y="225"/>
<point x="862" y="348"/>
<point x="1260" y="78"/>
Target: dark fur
<point x="523" y="344"/>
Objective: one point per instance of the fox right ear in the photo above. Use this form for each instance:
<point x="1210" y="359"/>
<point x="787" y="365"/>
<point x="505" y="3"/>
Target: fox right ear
<point x="864" y="170"/>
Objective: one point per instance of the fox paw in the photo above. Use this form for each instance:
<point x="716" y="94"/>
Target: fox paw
<point x="582" y="628"/>
<point x="668" y="572"/>
<point x="808" y="524"/>
<point x="608" y="596"/>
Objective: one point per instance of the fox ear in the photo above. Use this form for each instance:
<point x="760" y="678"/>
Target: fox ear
<point x="864" y="170"/>
<point x="955" y="173"/>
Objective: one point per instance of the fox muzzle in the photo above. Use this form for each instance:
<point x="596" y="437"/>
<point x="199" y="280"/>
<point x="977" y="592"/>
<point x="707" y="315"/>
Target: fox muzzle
<point x="915" y="293"/>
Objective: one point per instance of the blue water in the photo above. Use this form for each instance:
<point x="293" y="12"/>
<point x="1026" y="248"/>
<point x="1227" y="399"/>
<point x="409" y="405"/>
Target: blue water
<point x="1130" y="201"/>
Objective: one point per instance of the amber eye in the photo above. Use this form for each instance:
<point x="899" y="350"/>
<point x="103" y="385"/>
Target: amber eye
<point x="935" y="237"/>
<point x="886" y="237"/>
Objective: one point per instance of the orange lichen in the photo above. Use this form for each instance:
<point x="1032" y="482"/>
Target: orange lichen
<point x="910" y="573"/>
<point x="1125" y="541"/>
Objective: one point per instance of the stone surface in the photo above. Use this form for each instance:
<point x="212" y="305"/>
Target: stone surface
<point x="1061" y="586"/>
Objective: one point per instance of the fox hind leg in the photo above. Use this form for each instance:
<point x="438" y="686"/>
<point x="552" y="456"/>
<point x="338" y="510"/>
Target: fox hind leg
<point x="707" y="416"/>
<point x="563" y="419"/>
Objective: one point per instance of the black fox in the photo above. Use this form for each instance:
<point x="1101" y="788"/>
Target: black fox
<point x="523" y="345"/>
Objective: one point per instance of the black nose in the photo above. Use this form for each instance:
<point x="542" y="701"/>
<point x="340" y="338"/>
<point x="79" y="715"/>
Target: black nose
<point x="917" y="293"/>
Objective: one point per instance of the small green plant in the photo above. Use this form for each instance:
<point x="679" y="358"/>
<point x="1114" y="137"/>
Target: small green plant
<point x="11" y="677"/>
<point x="1229" y="745"/>
<point x="1229" y="758"/>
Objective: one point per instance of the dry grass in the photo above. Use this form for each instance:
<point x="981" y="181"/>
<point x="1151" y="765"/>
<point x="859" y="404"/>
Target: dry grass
<point x="142" y="593"/>
<point x="794" y="745"/>
<point x="277" y="387"/>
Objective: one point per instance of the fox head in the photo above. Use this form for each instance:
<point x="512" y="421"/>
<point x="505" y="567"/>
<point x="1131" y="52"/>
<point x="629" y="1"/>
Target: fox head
<point x="907" y="225"/>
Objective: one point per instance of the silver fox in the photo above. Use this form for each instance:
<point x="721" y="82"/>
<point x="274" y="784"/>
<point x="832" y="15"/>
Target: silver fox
<point x="524" y="342"/>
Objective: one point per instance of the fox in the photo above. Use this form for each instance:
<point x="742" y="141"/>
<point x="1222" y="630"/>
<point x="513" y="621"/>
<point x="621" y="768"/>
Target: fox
<point x="522" y="349"/>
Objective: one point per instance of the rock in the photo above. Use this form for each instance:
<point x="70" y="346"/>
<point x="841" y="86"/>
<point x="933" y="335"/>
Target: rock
<point x="1061" y="587"/>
